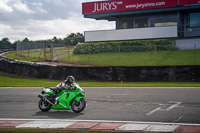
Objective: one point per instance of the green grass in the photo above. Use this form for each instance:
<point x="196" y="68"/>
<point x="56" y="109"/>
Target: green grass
<point x="150" y="58"/>
<point x="13" y="56"/>
<point x="7" y="81"/>
<point x="37" y="55"/>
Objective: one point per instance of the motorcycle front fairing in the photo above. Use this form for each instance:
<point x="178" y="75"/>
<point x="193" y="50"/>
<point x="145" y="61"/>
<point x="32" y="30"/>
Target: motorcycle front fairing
<point x="66" y="97"/>
<point x="81" y="92"/>
<point x="64" y="100"/>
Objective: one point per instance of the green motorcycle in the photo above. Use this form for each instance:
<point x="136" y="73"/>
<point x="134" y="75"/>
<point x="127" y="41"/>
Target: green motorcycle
<point x="64" y="99"/>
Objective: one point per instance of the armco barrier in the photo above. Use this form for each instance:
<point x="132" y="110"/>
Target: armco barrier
<point x="124" y="74"/>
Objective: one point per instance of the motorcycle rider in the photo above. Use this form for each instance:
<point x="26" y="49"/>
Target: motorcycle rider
<point x="67" y="84"/>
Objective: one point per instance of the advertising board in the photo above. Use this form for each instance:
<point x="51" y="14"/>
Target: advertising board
<point x="126" y="5"/>
<point x="188" y="2"/>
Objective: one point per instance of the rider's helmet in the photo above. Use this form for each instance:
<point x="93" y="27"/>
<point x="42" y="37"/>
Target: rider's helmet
<point x="70" y="79"/>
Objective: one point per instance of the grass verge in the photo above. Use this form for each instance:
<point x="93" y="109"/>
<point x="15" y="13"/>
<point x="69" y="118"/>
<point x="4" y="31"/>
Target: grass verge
<point x="7" y="81"/>
<point x="13" y="81"/>
<point x="148" y="58"/>
<point x="36" y="55"/>
<point x="13" y="56"/>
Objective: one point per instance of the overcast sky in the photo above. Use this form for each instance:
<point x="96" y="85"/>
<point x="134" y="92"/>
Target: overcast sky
<point x="44" y="19"/>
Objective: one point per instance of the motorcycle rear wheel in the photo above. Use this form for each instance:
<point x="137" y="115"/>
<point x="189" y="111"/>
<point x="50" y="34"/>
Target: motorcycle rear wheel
<point x="44" y="105"/>
<point x="77" y="107"/>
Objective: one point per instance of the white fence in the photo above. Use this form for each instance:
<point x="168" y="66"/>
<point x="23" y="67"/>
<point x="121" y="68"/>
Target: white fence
<point x="131" y="34"/>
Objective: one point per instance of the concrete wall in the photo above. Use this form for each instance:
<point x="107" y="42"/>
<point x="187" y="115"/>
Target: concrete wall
<point x="125" y="74"/>
<point x="131" y="34"/>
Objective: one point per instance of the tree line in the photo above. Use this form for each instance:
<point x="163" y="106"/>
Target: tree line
<point x="70" y="40"/>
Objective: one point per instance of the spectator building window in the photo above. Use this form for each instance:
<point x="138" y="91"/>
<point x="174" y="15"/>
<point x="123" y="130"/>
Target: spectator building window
<point x="127" y="23"/>
<point x="151" y="21"/>
<point x="141" y="22"/>
<point x="194" y="19"/>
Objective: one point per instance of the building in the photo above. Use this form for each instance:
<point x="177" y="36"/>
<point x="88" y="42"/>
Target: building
<point x="146" y="19"/>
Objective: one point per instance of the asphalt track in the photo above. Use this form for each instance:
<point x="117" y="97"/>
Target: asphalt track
<point x="144" y="104"/>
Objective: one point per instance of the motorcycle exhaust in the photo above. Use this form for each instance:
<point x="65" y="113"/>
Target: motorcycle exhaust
<point x="41" y="96"/>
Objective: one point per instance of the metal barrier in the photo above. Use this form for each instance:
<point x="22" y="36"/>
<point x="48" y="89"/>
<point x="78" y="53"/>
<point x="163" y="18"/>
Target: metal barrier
<point x="147" y="55"/>
<point x="41" y="51"/>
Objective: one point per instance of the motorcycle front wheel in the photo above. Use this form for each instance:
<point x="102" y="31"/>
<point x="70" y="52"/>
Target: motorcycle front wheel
<point x="77" y="107"/>
<point x="44" y="105"/>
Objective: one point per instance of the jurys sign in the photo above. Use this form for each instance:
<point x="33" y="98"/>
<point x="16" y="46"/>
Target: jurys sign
<point x="126" y="5"/>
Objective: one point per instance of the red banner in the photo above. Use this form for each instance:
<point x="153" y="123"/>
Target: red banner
<point x="124" y="5"/>
<point x="188" y="2"/>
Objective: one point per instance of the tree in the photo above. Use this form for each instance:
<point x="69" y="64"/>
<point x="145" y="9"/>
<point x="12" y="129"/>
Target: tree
<point x="54" y="39"/>
<point x="74" y="38"/>
<point x="25" y="40"/>
<point x="80" y="37"/>
<point x="5" y="43"/>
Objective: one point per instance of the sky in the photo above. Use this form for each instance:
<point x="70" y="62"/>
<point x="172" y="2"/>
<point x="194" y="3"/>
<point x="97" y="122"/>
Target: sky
<point x="44" y="19"/>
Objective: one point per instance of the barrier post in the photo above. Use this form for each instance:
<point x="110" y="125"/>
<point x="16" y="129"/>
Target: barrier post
<point x="52" y="52"/>
<point x="155" y="56"/>
<point x="20" y="49"/>
<point x="44" y="52"/>
<point x="68" y="54"/>
<point x="28" y="53"/>
<point x="17" y="52"/>
<point x="118" y="55"/>
<point x="195" y="56"/>
<point x="88" y="54"/>
<point x="36" y="47"/>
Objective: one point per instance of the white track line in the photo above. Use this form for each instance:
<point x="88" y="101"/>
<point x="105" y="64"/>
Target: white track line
<point x="134" y="122"/>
